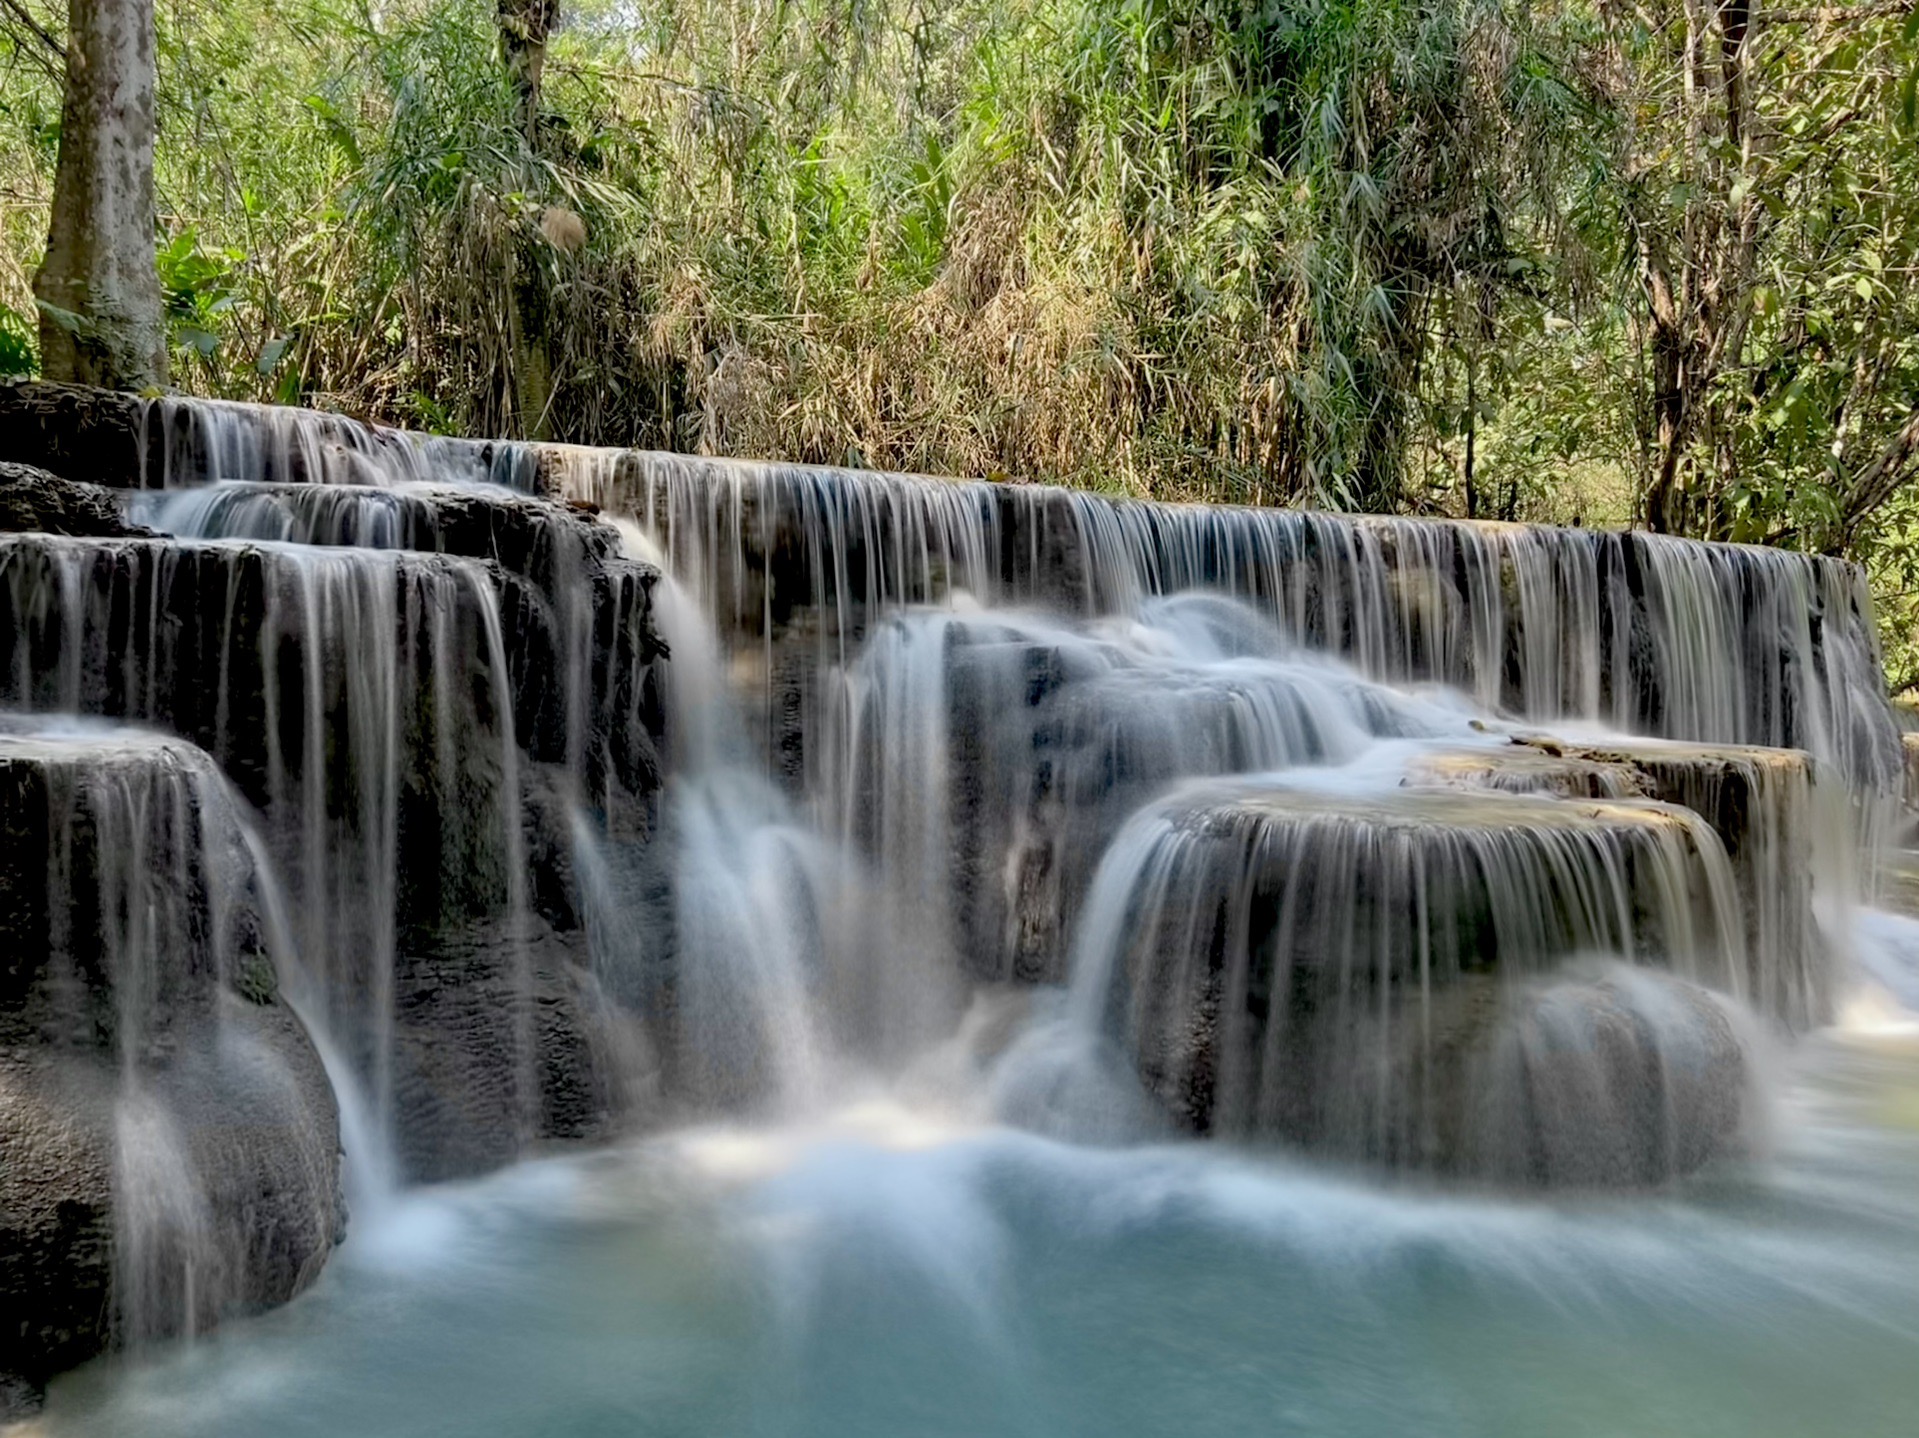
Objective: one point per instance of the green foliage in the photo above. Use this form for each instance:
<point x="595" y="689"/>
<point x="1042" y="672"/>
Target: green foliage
<point x="199" y="288"/>
<point x="19" y="354"/>
<point x="1371" y="253"/>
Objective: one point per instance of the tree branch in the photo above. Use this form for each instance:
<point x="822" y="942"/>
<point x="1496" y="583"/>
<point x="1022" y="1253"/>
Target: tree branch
<point x="1823" y="14"/>
<point x="1878" y="480"/>
<point x="19" y="12"/>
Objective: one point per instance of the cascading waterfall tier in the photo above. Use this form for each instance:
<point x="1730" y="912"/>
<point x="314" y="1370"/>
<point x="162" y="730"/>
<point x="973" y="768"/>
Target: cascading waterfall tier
<point x="1783" y="825"/>
<point x="1712" y="643"/>
<point x="582" y="696"/>
<point x="1709" y="643"/>
<point x="169" y="1146"/>
<point x="985" y="759"/>
<point x="415" y="729"/>
<point x="196" y="441"/>
<point x="1331" y="967"/>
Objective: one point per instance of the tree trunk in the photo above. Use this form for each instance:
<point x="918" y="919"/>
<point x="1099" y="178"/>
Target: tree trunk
<point x="524" y="27"/>
<point x="101" y="320"/>
<point x="1672" y="415"/>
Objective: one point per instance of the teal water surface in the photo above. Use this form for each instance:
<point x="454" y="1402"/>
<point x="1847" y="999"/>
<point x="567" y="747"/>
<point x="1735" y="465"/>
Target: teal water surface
<point x="888" y="1272"/>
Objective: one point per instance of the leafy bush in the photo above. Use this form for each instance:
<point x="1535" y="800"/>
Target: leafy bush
<point x="19" y="354"/>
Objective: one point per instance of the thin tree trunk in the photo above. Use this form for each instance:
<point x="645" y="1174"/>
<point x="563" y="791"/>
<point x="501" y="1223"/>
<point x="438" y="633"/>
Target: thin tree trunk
<point x="1472" y="441"/>
<point x="101" y="318"/>
<point x="1671" y="401"/>
<point x="524" y="28"/>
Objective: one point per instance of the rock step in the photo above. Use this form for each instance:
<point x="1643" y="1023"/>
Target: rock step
<point x="1782" y="827"/>
<point x="35" y="499"/>
<point x="169" y="1146"/>
<point x="556" y="547"/>
<point x="1329" y="968"/>
<point x="239" y="646"/>
<point x="124" y="441"/>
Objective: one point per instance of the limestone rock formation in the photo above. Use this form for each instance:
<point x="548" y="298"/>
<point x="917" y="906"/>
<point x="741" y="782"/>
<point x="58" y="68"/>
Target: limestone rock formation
<point x="1626" y="1078"/>
<point x="1327" y="969"/>
<point x="417" y="724"/>
<point x="35" y="499"/>
<point x="94" y="436"/>
<point x="169" y="1145"/>
<point x="1779" y="821"/>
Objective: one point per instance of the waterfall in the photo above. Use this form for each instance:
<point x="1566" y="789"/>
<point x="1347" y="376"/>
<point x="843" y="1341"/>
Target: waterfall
<point x="523" y="796"/>
<point x="144" y="941"/>
<point x="1719" y="643"/>
<point x="333" y="515"/>
<point x="785" y="948"/>
<point x="1285" y="959"/>
<point x="196" y="441"/>
<point x="302" y="671"/>
<point x="986" y="758"/>
<point x="512" y="860"/>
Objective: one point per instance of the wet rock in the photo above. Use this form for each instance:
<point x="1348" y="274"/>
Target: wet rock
<point x="502" y="1046"/>
<point x="1320" y="969"/>
<point x="1626" y="1079"/>
<point x="549" y="543"/>
<point x="1898" y="881"/>
<point x="56" y="1221"/>
<point x="1529" y="769"/>
<point x="169" y="1146"/>
<point x="997" y="754"/>
<point x="128" y="441"/>
<point x="34" y="499"/>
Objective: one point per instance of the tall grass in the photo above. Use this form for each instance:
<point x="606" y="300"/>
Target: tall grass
<point x="1183" y="247"/>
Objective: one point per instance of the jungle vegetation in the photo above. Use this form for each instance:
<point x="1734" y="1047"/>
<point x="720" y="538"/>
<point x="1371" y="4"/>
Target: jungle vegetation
<point x="1586" y="261"/>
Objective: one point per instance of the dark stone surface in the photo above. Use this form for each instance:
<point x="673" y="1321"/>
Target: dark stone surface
<point x="34" y="499"/>
<point x="177" y="1022"/>
<point x="129" y="441"/>
<point x="254" y="1115"/>
<point x="56" y="1220"/>
<point x="500" y="1046"/>
<point x="95" y="436"/>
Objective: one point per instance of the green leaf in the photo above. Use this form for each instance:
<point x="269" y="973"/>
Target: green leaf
<point x="73" y="324"/>
<point x="17" y="353"/>
<point x="271" y="353"/>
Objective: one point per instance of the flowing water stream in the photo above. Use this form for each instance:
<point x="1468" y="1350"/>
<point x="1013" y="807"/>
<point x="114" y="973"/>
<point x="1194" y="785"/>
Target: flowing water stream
<point x="895" y="1268"/>
<point x="1083" y="968"/>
